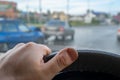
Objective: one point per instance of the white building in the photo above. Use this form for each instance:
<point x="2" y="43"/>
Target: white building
<point x="89" y="17"/>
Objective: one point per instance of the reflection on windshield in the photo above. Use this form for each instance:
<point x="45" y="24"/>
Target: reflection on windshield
<point x="90" y="24"/>
<point x="6" y="27"/>
<point x="23" y="28"/>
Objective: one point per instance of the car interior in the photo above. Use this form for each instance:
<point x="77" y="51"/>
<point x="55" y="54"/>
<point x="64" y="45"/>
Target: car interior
<point x="93" y="30"/>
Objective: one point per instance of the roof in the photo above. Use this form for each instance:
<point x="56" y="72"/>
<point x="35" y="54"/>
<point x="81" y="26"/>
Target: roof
<point x="98" y="13"/>
<point x="8" y="2"/>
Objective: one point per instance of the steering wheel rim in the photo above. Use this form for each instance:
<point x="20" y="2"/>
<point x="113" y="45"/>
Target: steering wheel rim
<point x="94" y="61"/>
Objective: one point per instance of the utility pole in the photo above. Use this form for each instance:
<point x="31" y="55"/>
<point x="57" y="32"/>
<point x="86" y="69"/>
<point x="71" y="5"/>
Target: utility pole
<point x="40" y="9"/>
<point x="88" y="3"/>
<point x="67" y="7"/>
<point x="28" y="15"/>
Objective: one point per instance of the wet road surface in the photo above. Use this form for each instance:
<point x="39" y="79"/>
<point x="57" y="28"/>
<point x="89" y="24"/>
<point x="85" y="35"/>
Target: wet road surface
<point x="102" y="38"/>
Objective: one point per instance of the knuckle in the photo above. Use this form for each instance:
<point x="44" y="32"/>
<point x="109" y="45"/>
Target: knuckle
<point x="44" y="46"/>
<point x="20" y="44"/>
<point x="30" y="44"/>
<point x="61" y="62"/>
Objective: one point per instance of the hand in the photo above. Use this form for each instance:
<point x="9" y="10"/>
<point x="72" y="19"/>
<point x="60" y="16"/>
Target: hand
<point x="25" y="62"/>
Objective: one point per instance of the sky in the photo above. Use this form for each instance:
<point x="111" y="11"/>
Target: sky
<point x="76" y="7"/>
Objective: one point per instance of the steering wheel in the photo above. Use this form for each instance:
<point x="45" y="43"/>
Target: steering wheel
<point x="91" y="65"/>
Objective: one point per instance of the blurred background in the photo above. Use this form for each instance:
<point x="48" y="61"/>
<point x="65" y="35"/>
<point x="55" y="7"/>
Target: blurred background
<point x="81" y="24"/>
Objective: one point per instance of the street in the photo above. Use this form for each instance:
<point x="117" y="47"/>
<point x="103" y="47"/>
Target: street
<point x="92" y="38"/>
<point x="103" y="38"/>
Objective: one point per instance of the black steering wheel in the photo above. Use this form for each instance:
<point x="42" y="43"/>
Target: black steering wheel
<point x="91" y="65"/>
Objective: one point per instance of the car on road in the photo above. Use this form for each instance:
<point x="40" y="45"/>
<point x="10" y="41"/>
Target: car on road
<point x="58" y="29"/>
<point x="118" y="34"/>
<point x="13" y="32"/>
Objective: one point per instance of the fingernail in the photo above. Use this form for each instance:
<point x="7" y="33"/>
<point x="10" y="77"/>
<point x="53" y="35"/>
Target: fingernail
<point x="72" y="53"/>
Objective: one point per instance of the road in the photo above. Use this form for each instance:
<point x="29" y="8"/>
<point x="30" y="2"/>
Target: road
<point x="91" y="38"/>
<point x="101" y="38"/>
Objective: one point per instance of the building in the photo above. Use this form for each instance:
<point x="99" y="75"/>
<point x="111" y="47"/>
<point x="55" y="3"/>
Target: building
<point x="8" y="9"/>
<point x="116" y="18"/>
<point x="103" y="18"/>
<point x="89" y="17"/>
<point x="59" y="15"/>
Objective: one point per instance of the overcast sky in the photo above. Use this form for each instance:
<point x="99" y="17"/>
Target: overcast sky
<point x="76" y="6"/>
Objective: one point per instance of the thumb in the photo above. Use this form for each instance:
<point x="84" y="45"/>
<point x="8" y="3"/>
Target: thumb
<point x="63" y="59"/>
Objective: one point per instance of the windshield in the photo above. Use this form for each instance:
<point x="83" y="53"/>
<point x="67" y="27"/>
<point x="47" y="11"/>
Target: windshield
<point x="5" y="27"/>
<point x="91" y="24"/>
<point x="23" y="28"/>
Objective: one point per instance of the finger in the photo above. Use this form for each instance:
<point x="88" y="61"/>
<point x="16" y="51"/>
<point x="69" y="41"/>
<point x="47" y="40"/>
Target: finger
<point x="15" y="48"/>
<point x="64" y="58"/>
<point x="18" y="45"/>
<point x="11" y="50"/>
<point x="33" y="50"/>
<point x="46" y="49"/>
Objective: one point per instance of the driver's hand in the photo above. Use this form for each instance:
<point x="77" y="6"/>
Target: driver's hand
<point x="25" y="62"/>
